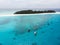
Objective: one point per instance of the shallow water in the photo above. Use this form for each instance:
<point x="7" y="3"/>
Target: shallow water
<point x="30" y="30"/>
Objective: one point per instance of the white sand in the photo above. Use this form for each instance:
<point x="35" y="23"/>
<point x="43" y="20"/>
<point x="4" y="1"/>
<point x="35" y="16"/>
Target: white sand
<point x="27" y="14"/>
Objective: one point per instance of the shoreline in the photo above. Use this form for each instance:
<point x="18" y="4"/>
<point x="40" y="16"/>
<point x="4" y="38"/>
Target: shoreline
<point x="27" y="14"/>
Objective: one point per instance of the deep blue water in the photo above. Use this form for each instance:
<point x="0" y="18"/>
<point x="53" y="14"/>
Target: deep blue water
<point x="19" y="30"/>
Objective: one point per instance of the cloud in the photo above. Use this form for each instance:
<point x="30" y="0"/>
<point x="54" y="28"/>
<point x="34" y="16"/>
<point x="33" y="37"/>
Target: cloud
<point x="29" y="3"/>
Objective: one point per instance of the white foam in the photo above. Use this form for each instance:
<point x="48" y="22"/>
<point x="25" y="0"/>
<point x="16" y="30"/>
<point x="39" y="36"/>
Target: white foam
<point x="27" y="14"/>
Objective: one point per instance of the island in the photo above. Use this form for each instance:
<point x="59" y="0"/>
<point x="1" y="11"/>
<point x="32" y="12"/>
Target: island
<point x="34" y="12"/>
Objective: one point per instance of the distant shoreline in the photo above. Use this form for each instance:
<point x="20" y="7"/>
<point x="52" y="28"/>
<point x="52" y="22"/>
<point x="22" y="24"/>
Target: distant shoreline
<point x="34" y="12"/>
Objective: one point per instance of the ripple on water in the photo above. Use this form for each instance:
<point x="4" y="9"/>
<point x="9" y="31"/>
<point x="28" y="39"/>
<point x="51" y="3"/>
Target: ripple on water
<point x="35" y="27"/>
<point x="5" y="21"/>
<point x="20" y="31"/>
<point x="0" y="43"/>
<point x="42" y="31"/>
<point x="58" y="43"/>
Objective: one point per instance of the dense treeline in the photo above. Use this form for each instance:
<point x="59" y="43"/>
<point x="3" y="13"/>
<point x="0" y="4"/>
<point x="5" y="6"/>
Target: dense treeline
<point x="33" y="12"/>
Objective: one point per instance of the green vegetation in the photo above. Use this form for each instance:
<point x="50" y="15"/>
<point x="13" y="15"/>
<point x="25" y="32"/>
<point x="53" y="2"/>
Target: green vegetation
<point x="33" y="12"/>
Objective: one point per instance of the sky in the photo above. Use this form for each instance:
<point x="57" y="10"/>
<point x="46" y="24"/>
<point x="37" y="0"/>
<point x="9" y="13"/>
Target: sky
<point x="29" y="4"/>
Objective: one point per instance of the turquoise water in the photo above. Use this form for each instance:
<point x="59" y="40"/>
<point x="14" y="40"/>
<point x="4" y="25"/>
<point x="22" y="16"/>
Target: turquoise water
<point x="30" y="30"/>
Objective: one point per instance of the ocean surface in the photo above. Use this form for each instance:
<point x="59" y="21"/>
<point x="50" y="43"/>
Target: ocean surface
<point x="38" y="29"/>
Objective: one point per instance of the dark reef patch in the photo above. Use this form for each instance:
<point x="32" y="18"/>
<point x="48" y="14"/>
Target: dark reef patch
<point x="28" y="30"/>
<point x="48" y="24"/>
<point x="34" y="43"/>
<point x="58" y="38"/>
<point x="14" y="38"/>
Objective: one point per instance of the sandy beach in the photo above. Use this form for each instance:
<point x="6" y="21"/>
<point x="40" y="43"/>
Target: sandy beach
<point x="27" y="14"/>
